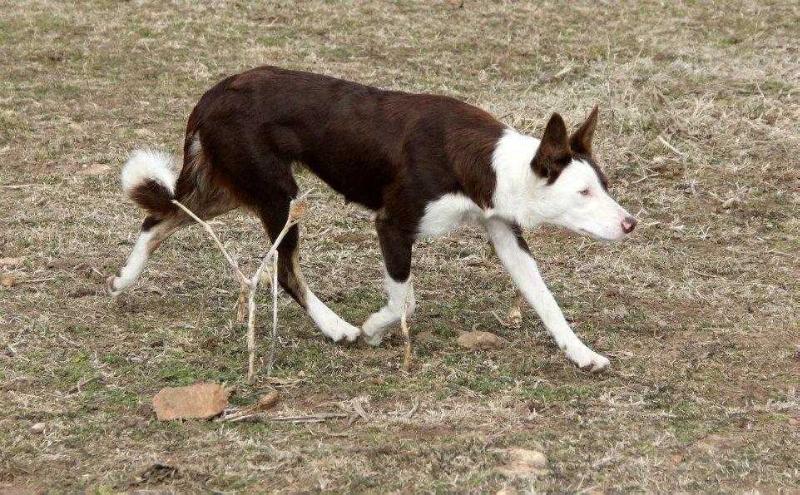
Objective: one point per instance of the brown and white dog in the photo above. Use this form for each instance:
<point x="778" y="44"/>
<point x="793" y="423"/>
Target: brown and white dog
<point x="424" y="163"/>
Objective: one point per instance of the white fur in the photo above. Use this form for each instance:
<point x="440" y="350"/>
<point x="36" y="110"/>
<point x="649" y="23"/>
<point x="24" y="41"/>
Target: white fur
<point x="596" y="213"/>
<point x="446" y="213"/>
<point x="525" y="274"/>
<point x="524" y="198"/>
<point x="148" y="164"/>
<point x="400" y="296"/>
<point x="329" y="322"/>
<point x="515" y="183"/>
<point x="133" y="266"/>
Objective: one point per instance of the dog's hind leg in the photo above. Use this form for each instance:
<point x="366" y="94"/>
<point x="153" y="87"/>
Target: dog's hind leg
<point x="274" y="211"/>
<point x="154" y="231"/>
<point x="147" y="178"/>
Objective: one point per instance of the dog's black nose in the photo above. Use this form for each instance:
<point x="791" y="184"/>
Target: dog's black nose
<point x="628" y="224"/>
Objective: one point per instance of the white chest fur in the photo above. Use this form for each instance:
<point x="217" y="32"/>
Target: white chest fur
<point x="447" y="213"/>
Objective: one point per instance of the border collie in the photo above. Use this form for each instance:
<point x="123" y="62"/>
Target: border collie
<point x="424" y="163"/>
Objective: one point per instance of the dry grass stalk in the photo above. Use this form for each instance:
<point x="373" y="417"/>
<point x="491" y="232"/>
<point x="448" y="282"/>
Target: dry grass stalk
<point x="274" y="338"/>
<point x="235" y="266"/>
<point x="406" y="338"/>
<point x="249" y="286"/>
<point x="266" y="402"/>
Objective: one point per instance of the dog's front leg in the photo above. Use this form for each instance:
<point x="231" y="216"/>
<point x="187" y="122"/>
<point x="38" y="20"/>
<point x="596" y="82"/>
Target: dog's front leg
<point x="515" y="256"/>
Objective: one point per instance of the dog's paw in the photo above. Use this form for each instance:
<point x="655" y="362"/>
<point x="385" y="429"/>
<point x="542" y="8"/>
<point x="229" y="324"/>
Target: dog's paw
<point x="588" y="360"/>
<point x="372" y="334"/>
<point x="110" y="286"/>
<point x="372" y="331"/>
<point x="351" y="333"/>
<point x="343" y="331"/>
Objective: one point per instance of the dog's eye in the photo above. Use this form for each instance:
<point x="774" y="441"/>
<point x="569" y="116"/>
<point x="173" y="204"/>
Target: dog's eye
<point x="585" y="192"/>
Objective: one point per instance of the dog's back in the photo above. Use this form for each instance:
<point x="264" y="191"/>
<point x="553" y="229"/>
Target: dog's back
<point x="356" y="138"/>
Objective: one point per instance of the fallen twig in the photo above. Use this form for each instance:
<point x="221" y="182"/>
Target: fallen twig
<point x="266" y="402"/>
<point x="413" y="410"/>
<point x="17" y="186"/>
<point x="274" y="339"/>
<point x="314" y="418"/>
<point x="260" y="416"/>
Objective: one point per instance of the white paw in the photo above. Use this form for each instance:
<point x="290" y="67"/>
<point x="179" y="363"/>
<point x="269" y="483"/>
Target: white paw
<point x="373" y="331"/>
<point x="587" y="360"/>
<point x="331" y="325"/>
<point x="111" y="286"/>
<point x="342" y="330"/>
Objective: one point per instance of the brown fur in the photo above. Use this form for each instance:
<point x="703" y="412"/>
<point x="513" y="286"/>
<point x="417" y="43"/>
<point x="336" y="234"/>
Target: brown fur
<point x="153" y="196"/>
<point x="557" y="149"/>
<point x="390" y="151"/>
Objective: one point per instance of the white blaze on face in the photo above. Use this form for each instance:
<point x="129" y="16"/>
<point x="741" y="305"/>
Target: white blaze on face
<point x="577" y="201"/>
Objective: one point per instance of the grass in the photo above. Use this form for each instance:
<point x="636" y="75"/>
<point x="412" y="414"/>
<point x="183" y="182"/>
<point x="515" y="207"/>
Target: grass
<point x="698" y="311"/>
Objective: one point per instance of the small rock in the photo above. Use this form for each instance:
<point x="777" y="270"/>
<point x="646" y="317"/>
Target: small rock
<point x="267" y="401"/>
<point x="37" y="428"/>
<point x="523" y="463"/>
<point x="7" y="280"/>
<point x="201" y="400"/>
<point x="480" y="340"/>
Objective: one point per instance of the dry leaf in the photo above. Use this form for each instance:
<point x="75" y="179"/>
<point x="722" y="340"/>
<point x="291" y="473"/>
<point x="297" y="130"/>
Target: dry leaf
<point x="297" y="211"/>
<point x="480" y="340"/>
<point x="523" y="463"/>
<point x="201" y="400"/>
<point x="514" y="317"/>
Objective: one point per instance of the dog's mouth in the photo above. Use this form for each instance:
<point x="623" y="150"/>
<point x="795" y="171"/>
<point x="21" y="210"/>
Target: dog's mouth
<point x="598" y="236"/>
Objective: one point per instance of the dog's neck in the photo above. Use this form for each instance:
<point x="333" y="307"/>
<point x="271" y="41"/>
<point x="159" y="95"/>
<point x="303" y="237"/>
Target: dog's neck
<point x="514" y="197"/>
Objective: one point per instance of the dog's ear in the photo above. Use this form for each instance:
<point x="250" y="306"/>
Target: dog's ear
<point x="553" y="153"/>
<point x="581" y="140"/>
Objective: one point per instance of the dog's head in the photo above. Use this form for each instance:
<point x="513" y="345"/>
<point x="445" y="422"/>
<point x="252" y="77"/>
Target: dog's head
<point x="574" y="191"/>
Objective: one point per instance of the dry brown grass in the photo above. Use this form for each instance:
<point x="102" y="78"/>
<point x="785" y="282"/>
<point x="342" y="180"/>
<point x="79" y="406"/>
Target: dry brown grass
<point x="699" y="311"/>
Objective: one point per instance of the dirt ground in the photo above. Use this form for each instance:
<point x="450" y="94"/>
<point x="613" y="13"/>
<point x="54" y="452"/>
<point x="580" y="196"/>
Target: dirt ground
<point x="698" y="311"/>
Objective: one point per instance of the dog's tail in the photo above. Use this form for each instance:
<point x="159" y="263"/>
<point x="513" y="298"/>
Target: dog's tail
<point x="149" y="178"/>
